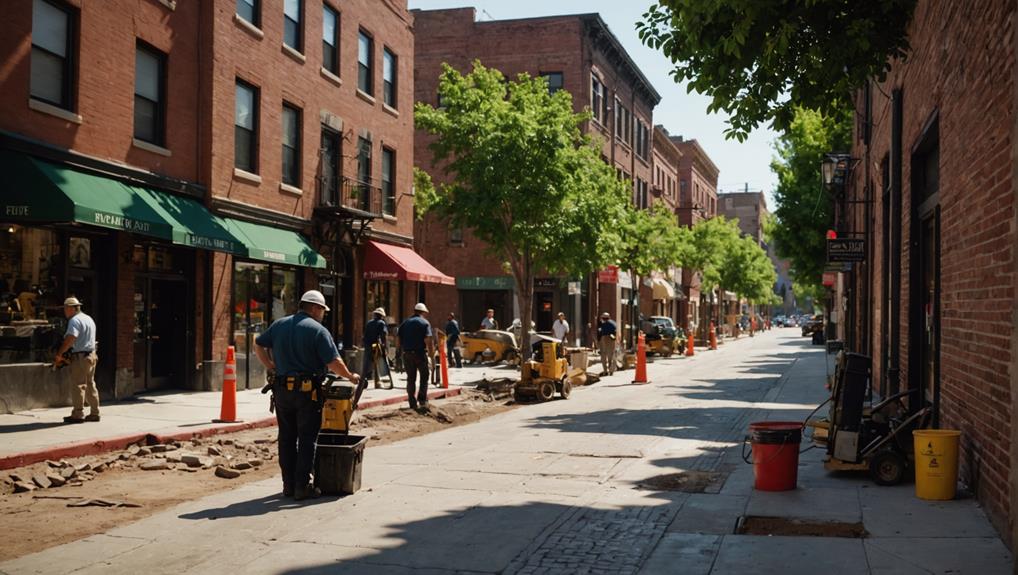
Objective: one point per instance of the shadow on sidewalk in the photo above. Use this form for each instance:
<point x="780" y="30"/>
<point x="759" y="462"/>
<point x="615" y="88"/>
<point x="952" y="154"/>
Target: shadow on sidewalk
<point x="255" y="507"/>
<point x="32" y="426"/>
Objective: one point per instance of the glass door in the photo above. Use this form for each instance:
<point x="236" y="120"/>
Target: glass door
<point x="251" y="311"/>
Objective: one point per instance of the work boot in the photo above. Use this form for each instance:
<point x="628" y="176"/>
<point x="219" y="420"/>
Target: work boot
<point x="413" y="403"/>
<point x="92" y="417"/>
<point x="72" y="419"/>
<point x="309" y="491"/>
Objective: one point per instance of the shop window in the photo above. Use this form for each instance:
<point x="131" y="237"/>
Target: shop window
<point x="365" y="55"/>
<point x="293" y="24"/>
<point x="384" y="294"/>
<point x="149" y="95"/>
<point x="31" y="296"/>
<point x="389" y="69"/>
<point x="250" y="10"/>
<point x="330" y="40"/>
<point x="52" y="74"/>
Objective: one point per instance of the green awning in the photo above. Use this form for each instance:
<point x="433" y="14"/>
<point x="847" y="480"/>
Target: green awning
<point x="274" y="245"/>
<point x="35" y="191"/>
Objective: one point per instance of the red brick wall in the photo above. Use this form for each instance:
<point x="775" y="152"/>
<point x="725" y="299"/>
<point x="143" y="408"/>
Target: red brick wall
<point x="279" y="76"/>
<point x="104" y="94"/>
<point x="962" y="66"/>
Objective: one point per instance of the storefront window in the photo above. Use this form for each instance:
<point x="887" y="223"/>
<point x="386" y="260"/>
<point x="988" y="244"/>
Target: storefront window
<point x="31" y="311"/>
<point x="384" y="294"/>
<point x="262" y="293"/>
<point x="284" y="293"/>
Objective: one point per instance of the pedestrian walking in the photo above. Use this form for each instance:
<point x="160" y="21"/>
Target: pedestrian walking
<point x="489" y="321"/>
<point x="298" y="350"/>
<point x="452" y="340"/>
<point x="418" y="344"/>
<point x="373" y="364"/>
<point x="606" y="331"/>
<point x="560" y="328"/>
<point x="78" y="350"/>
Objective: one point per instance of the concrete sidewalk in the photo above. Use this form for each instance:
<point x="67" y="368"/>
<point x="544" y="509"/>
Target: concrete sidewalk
<point x="40" y="434"/>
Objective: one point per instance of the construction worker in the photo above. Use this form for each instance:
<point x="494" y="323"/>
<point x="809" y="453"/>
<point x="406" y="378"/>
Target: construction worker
<point x="418" y="344"/>
<point x="79" y="343"/>
<point x="298" y="350"/>
<point x="606" y="331"/>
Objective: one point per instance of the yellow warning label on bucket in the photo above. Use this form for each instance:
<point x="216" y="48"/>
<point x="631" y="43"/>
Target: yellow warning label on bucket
<point x="933" y="462"/>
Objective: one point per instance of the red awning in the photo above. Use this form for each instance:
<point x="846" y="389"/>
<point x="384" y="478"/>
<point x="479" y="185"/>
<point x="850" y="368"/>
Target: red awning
<point x="388" y="262"/>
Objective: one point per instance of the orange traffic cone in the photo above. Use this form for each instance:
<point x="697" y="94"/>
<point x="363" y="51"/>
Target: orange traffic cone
<point x="713" y="337"/>
<point x="444" y="361"/>
<point x="689" y="345"/>
<point x="641" y="360"/>
<point x="228" y="408"/>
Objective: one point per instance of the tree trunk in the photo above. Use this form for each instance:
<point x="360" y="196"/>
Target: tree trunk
<point x="525" y="299"/>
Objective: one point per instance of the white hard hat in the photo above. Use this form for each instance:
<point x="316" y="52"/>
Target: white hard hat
<point x="72" y="302"/>
<point x="379" y="311"/>
<point x="314" y="296"/>
<point x="421" y="307"/>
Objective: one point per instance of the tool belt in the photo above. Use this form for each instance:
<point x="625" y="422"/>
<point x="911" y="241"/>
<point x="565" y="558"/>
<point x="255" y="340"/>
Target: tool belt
<point x="302" y="382"/>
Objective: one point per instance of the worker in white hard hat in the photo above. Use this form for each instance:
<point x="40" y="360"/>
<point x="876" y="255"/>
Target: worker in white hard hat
<point x="298" y="350"/>
<point x="78" y="350"/>
<point x="418" y="344"/>
<point x="373" y="365"/>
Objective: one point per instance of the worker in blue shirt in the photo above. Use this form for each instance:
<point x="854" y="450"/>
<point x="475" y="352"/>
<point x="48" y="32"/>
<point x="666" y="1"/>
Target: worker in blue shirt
<point x="78" y="347"/>
<point x="452" y="335"/>
<point x="298" y="350"/>
<point x="417" y="342"/>
<point x="373" y="364"/>
<point x="606" y="330"/>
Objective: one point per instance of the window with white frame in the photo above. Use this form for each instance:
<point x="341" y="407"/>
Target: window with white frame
<point x="52" y="73"/>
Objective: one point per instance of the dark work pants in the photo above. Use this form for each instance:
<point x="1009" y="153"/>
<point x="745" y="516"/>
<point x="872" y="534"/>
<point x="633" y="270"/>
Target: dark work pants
<point x="416" y="363"/>
<point x="452" y="349"/>
<point x="299" y="419"/>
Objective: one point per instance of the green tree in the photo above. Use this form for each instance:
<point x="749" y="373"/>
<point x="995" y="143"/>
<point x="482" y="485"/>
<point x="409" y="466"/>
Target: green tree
<point x="804" y="210"/>
<point x="760" y="59"/>
<point x="522" y="176"/>
<point x="652" y="241"/>
<point x="710" y="241"/>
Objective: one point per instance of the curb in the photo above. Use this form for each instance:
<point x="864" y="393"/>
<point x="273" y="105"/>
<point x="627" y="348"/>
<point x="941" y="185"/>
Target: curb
<point x="98" y="446"/>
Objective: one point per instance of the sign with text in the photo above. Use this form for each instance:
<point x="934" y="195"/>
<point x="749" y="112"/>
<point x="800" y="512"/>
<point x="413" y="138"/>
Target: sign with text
<point x="846" y="250"/>
<point x="609" y="275"/>
<point x="574" y="288"/>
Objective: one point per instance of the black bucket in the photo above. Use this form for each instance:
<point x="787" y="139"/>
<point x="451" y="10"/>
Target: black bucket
<point x="338" y="460"/>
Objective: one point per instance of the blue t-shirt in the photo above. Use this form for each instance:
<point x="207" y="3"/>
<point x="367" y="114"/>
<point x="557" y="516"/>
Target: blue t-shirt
<point x="82" y="327"/>
<point x="299" y="344"/>
<point x="452" y="331"/>
<point x="413" y="332"/>
<point x="606" y="328"/>
<point x="373" y="331"/>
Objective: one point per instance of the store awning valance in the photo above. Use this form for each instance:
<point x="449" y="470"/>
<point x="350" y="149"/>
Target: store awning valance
<point x="663" y="289"/>
<point x="270" y="244"/>
<point x="388" y="262"/>
<point x="35" y="191"/>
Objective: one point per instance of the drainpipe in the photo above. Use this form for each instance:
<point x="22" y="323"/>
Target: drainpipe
<point x="1013" y="472"/>
<point x="894" y="369"/>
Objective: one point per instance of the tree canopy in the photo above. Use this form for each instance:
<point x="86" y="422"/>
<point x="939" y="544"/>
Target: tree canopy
<point x="520" y="174"/>
<point x="760" y="59"/>
<point x="652" y="240"/>
<point x="804" y="209"/>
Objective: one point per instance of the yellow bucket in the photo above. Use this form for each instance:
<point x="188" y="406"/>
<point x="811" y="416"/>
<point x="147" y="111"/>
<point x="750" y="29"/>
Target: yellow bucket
<point x="936" y="463"/>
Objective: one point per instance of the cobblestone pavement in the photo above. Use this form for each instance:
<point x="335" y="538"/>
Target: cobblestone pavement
<point x="597" y="541"/>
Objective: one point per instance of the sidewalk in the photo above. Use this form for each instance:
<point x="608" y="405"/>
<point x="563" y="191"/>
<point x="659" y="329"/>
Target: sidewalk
<point x="40" y="434"/>
<point x="905" y="534"/>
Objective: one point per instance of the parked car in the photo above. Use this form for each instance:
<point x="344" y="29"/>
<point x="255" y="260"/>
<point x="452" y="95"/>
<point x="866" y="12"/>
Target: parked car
<point x="779" y="321"/>
<point x="813" y="325"/>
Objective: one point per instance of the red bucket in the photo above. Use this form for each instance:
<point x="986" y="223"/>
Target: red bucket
<point x="775" y="447"/>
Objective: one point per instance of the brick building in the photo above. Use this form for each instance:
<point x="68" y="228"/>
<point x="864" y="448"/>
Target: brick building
<point x="933" y="191"/>
<point x="187" y="169"/>
<point x="666" y="292"/>
<point x="698" y="200"/>
<point x="576" y="53"/>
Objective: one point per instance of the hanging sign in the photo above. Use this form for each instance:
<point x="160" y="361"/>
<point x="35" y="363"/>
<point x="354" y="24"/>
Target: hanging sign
<point x="846" y="250"/>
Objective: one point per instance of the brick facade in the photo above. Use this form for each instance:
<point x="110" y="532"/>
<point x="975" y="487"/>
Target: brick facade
<point x="576" y="46"/>
<point x="957" y="89"/>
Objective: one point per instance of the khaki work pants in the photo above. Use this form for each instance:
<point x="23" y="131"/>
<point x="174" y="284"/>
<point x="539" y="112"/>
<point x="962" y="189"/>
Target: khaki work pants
<point x="607" y="350"/>
<point x="83" y="378"/>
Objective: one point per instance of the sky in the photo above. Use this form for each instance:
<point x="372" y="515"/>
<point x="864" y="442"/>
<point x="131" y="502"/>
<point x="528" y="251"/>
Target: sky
<point x="680" y="113"/>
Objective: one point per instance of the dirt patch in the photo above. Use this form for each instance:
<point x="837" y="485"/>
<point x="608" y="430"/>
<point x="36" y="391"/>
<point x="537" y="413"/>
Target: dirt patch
<point x="790" y="526"/>
<point x="114" y="489"/>
<point x="685" y="481"/>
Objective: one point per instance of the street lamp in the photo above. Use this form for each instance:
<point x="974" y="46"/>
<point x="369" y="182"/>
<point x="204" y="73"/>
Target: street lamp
<point x="834" y="170"/>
